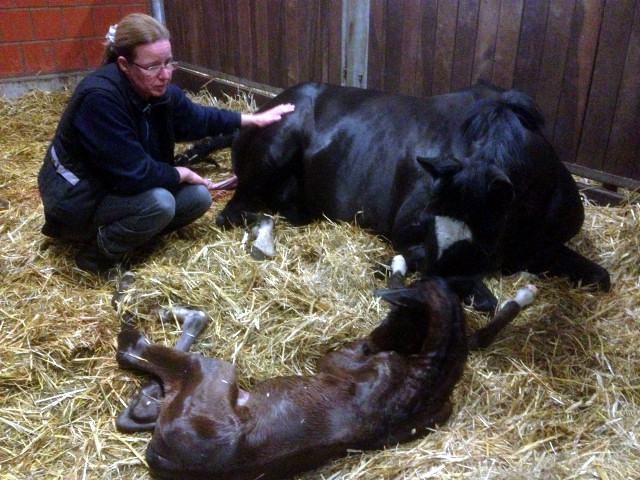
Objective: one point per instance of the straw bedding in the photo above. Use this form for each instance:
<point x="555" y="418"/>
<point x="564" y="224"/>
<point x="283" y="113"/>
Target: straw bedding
<point x="558" y="395"/>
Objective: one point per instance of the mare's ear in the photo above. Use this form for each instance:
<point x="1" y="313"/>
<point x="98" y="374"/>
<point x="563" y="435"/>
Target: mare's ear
<point x="441" y="165"/>
<point x="400" y="297"/>
<point x="525" y="109"/>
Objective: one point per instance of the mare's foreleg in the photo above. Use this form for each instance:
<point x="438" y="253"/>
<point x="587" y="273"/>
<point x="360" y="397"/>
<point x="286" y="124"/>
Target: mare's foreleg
<point x="452" y="255"/>
<point x="564" y="262"/>
<point x="398" y="272"/>
<point x="262" y="235"/>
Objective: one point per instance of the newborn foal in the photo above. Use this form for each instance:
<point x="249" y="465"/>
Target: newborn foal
<point x="389" y="387"/>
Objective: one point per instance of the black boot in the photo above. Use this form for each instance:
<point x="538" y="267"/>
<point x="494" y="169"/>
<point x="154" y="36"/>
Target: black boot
<point x="91" y="259"/>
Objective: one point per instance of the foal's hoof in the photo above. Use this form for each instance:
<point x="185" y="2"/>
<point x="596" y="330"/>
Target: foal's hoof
<point x="124" y="283"/>
<point x="126" y="423"/>
<point x="143" y="410"/>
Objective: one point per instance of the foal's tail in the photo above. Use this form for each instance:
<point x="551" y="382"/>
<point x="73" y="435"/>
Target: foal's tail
<point x="495" y="129"/>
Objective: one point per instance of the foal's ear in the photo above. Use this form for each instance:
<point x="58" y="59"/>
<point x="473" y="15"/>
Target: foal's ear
<point x="400" y="297"/>
<point x="440" y="166"/>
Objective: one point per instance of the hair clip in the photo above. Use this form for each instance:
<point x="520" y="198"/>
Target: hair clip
<point x="111" y="34"/>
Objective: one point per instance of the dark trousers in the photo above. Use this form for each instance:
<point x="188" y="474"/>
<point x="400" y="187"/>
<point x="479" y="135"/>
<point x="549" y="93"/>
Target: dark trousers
<point x="126" y="222"/>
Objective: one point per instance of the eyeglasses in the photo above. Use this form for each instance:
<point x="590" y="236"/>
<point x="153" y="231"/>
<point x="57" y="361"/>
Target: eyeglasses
<point x="153" y="70"/>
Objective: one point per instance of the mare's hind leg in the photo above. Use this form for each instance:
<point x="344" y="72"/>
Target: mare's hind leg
<point x="200" y="151"/>
<point x="143" y="409"/>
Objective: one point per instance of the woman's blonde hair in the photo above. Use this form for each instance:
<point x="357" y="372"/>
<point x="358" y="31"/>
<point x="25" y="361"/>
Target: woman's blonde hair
<point x="133" y="30"/>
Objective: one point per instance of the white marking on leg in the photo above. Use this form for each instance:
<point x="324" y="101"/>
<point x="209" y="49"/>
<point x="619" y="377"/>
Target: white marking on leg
<point x="264" y="237"/>
<point x="449" y="231"/>
<point x="399" y="265"/>
<point x="525" y="295"/>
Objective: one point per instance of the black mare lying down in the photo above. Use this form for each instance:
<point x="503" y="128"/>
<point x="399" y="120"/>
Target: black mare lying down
<point x="460" y="184"/>
<point x="392" y="386"/>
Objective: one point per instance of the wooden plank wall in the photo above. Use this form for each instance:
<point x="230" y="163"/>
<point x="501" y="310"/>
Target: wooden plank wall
<point x="579" y="59"/>
<point x="275" y="42"/>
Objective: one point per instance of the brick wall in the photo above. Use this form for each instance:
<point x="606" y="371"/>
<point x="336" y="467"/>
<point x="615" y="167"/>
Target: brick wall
<point x="56" y="36"/>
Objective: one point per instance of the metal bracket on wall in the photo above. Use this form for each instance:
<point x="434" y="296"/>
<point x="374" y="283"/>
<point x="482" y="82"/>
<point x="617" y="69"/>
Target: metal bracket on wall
<point x="157" y="10"/>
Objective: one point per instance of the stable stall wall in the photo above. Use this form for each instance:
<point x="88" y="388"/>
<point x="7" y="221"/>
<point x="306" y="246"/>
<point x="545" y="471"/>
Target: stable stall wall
<point x="52" y="37"/>
<point x="579" y="59"/>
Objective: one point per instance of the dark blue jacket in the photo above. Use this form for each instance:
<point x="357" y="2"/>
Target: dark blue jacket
<point x="110" y="140"/>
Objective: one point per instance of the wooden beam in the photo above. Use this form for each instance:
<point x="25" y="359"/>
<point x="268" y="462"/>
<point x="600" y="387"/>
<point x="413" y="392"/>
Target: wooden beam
<point x="355" y="42"/>
<point x="194" y="78"/>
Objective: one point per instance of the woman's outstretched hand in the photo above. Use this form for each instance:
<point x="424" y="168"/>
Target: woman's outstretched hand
<point x="261" y="119"/>
<point x="267" y="117"/>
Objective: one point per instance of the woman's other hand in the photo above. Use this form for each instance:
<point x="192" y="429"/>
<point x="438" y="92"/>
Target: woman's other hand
<point x="189" y="176"/>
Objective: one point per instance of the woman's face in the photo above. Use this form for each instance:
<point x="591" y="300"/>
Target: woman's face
<point x="149" y="82"/>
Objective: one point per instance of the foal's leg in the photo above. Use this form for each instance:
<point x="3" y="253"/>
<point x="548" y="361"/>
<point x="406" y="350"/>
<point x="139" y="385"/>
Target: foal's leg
<point x="142" y="411"/>
<point x="136" y="352"/>
<point x="484" y="336"/>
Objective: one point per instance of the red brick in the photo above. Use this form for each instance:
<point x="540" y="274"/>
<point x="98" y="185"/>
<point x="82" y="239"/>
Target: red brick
<point x="70" y="55"/>
<point x="15" y="26"/>
<point x="32" y="3"/>
<point x="94" y="48"/>
<point x="10" y="60"/>
<point x="133" y="8"/>
<point x="77" y="22"/>
<point x="7" y="3"/>
<point x="104" y="17"/>
<point x="77" y="3"/>
<point x="47" y="23"/>
<point x="39" y="57"/>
